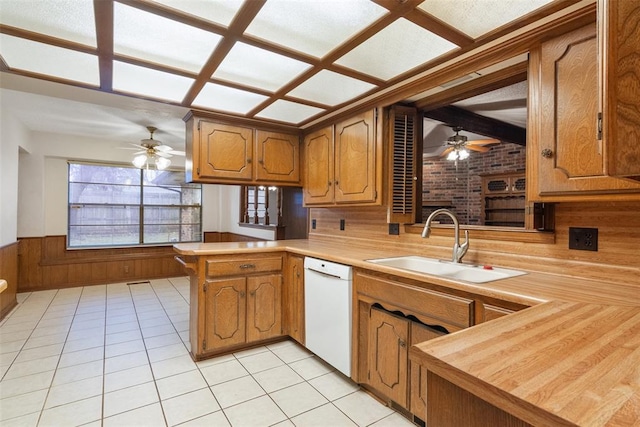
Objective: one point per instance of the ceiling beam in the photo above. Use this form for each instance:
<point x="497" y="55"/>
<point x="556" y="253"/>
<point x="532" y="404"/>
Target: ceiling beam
<point x="103" y="11"/>
<point x="471" y="122"/>
<point x="506" y="77"/>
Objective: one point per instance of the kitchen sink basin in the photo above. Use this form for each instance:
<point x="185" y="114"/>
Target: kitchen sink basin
<point x="435" y="267"/>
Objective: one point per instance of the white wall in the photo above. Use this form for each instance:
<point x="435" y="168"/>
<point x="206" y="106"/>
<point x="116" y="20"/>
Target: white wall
<point x="42" y="208"/>
<point x="13" y="135"/>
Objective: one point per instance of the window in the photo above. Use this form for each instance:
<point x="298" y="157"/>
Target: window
<point x="261" y="205"/>
<point x="126" y="206"/>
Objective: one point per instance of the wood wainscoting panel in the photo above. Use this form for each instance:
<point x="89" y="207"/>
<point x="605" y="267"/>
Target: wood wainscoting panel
<point x="45" y="263"/>
<point x="8" y="272"/>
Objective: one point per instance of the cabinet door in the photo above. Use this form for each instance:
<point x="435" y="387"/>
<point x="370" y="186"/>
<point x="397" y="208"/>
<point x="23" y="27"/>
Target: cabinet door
<point x="620" y="37"/>
<point x="318" y="167"/>
<point x="388" y="355"/>
<point x="418" y="373"/>
<point x="277" y="157"/>
<point x="355" y="159"/>
<point x="264" y="312"/>
<point x="293" y="298"/>
<point x="225" y="152"/>
<point x="225" y="313"/>
<point x="568" y="154"/>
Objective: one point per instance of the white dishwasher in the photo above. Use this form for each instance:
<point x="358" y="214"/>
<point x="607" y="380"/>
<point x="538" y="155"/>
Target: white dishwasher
<point x="327" y="305"/>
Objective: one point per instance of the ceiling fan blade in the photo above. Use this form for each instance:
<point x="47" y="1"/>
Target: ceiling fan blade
<point x="163" y="148"/>
<point x="483" y="142"/>
<point x="163" y="154"/>
<point x="177" y="153"/>
<point x="478" y="148"/>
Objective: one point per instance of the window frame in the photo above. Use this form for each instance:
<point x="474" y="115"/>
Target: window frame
<point x="140" y="206"/>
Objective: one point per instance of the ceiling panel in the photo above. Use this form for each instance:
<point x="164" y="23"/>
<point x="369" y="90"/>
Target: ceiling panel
<point x="156" y="39"/>
<point x="218" y="11"/>
<point x="398" y="48"/>
<point x="66" y="19"/>
<point x="258" y="68"/>
<point x="223" y="98"/>
<point x="49" y="60"/>
<point x="313" y="27"/>
<point x="330" y="88"/>
<point x="476" y="18"/>
<point x="149" y="83"/>
<point x="287" y="111"/>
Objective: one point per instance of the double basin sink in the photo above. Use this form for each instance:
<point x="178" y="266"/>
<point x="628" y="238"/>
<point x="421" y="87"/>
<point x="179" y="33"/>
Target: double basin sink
<point x="448" y="269"/>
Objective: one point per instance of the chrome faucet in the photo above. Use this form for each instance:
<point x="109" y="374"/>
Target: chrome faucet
<point x="458" y="250"/>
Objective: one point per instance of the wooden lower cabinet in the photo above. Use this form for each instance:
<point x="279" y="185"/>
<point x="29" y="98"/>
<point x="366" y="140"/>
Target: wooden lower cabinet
<point x="225" y="313"/>
<point x="235" y="301"/>
<point x="388" y="355"/>
<point x="418" y="373"/>
<point x="264" y="319"/>
<point x="242" y="310"/>
<point x="293" y="298"/>
<point x="389" y="317"/>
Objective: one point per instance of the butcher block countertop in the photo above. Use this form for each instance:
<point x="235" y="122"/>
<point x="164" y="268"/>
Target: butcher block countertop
<point x="572" y="358"/>
<point x="559" y="363"/>
<point x="530" y="289"/>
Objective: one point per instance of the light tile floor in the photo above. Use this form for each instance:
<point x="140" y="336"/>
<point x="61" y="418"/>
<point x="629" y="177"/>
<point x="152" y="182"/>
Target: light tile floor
<point x="116" y="355"/>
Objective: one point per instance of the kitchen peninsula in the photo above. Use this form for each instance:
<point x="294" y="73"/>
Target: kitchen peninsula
<point x="579" y="337"/>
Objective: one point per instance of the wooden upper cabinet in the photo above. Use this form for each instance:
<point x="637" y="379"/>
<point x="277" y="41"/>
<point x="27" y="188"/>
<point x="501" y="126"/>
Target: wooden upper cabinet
<point x="343" y="163"/>
<point x="277" y="157"/>
<point x="225" y="152"/>
<point x="355" y="159"/>
<point x="221" y="153"/>
<point x="567" y="158"/>
<point x="318" y="168"/>
<point x="620" y="40"/>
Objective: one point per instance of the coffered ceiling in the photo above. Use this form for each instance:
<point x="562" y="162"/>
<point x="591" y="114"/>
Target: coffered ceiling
<point x="287" y="62"/>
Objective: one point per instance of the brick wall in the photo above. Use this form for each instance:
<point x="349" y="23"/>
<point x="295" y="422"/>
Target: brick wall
<point x="459" y="188"/>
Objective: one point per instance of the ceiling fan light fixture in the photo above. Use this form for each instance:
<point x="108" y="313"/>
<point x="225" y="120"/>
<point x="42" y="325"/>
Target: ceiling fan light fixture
<point x="162" y="163"/>
<point x="139" y="161"/>
<point x="463" y="154"/>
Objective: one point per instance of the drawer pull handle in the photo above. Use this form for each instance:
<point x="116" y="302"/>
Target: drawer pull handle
<point x="245" y="266"/>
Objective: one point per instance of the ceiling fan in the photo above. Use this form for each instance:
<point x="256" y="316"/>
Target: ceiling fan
<point x="153" y="151"/>
<point x="458" y="145"/>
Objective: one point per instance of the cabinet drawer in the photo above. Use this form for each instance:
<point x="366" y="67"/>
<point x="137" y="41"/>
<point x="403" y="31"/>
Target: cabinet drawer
<point x="431" y="307"/>
<point x="242" y="266"/>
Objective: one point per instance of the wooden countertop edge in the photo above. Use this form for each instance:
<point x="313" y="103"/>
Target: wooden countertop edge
<point x="530" y="289"/>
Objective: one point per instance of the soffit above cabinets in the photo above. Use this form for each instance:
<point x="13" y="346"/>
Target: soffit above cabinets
<point x="288" y="62"/>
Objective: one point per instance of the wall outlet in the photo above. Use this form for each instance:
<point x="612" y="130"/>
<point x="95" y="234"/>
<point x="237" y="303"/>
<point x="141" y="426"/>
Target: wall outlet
<point x="394" y="229"/>
<point x="313" y="224"/>
<point x="342" y="224"/>
<point x="583" y="239"/>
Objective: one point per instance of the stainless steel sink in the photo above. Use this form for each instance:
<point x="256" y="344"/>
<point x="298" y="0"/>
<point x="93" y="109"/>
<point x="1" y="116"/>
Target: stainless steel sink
<point x="435" y="267"/>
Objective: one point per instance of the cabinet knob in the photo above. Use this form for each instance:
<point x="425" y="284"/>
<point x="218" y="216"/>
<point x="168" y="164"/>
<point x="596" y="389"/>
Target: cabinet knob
<point x="252" y="293"/>
<point x="402" y="343"/>
<point x="336" y="183"/>
<point x="241" y="294"/>
<point x="329" y="183"/>
<point x="547" y="153"/>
